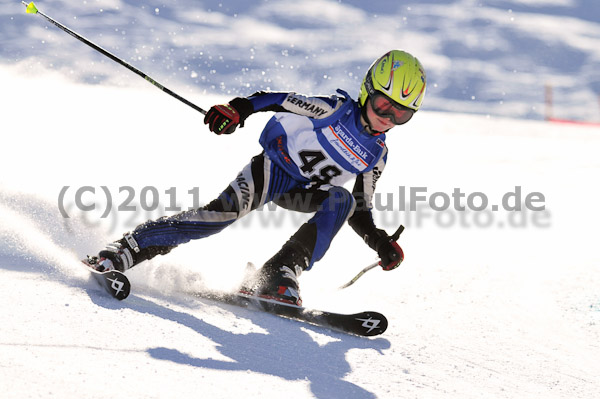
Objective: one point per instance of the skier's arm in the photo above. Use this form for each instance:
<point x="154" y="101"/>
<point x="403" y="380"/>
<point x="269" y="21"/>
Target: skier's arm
<point x="224" y="119"/>
<point x="361" y="221"/>
<point x="316" y="107"/>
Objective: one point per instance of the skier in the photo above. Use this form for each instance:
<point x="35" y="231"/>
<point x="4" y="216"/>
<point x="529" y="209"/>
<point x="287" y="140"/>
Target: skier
<point x="312" y="146"/>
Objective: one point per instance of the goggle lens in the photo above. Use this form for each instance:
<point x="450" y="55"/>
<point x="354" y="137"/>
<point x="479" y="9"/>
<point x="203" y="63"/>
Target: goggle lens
<point x="385" y="108"/>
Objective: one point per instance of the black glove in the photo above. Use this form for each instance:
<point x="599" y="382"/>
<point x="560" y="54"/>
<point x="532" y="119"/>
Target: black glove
<point x="390" y="253"/>
<point x="225" y="118"/>
<point x="387" y="248"/>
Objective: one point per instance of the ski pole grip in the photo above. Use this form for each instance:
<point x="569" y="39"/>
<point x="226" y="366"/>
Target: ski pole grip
<point x="396" y="235"/>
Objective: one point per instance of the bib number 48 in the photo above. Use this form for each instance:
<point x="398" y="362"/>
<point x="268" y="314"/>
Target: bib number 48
<point x="310" y="161"/>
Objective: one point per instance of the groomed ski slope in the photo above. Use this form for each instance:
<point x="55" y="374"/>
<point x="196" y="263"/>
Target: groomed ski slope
<point x="505" y="309"/>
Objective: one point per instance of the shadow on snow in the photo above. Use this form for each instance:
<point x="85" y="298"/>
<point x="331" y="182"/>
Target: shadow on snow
<point x="286" y="351"/>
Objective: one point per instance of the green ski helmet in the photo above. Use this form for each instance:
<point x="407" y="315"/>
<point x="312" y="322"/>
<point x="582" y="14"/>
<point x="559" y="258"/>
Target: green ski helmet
<point x="399" y="76"/>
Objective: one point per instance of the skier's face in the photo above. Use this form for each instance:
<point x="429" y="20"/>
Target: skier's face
<point x="376" y="122"/>
<point x="383" y="113"/>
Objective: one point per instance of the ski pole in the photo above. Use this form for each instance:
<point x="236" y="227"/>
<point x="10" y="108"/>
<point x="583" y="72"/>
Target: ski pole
<point x="359" y="275"/>
<point x="32" y="9"/>
<point x="394" y="237"/>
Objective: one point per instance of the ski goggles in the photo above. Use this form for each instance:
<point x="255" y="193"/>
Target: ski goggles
<point x="386" y="108"/>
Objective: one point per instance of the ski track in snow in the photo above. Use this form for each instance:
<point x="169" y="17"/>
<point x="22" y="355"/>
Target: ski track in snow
<point x="503" y="305"/>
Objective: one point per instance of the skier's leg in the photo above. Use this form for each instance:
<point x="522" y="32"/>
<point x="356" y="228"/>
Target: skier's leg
<point x="277" y="279"/>
<point x="332" y="206"/>
<point x="249" y="190"/>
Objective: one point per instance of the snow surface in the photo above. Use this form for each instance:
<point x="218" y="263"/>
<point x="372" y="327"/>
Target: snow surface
<point x="489" y="304"/>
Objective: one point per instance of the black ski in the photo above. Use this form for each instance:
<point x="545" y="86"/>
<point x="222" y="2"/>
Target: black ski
<point x="366" y="324"/>
<point x="114" y="282"/>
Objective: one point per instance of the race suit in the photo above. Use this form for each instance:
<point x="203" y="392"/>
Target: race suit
<point x="312" y="147"/>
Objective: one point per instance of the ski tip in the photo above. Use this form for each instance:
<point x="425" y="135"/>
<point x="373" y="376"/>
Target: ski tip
<point x="373" y="323"/>
<point x="30" y="8"/>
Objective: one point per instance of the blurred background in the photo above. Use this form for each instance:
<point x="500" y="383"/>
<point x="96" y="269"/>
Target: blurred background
<point x="492" y="57"/>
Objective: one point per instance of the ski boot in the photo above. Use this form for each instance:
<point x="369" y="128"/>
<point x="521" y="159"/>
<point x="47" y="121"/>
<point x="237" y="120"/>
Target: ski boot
<point x="119" y="255"/>
<point x="123" y="254"/>
<point x="277" y="280"/>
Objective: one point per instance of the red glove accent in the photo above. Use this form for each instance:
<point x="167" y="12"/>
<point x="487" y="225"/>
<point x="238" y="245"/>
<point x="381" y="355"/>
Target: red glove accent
<point x="391" y="255"/>
<point x="222" y="119"/>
